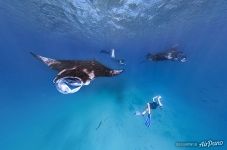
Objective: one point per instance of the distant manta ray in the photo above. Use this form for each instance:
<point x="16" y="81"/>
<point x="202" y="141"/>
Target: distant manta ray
<point x="73" y="74"/>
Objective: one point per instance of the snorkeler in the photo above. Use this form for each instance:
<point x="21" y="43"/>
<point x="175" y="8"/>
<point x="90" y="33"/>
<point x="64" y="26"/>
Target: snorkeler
<point x="172" y="54"/>
<point x="112" y="55"/>
<point x="111" y="52"/>
<point x="156" y="102"/>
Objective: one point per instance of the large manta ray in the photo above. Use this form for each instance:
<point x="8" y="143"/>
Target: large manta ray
<point x="73" y="74"/>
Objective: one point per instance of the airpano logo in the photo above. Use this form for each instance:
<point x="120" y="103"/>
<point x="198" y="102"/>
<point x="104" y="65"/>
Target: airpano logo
<point x="202" y="144"/>
<point x="210" y="143"/>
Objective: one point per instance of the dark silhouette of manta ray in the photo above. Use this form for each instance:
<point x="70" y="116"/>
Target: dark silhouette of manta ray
<point x="86" y="70"/>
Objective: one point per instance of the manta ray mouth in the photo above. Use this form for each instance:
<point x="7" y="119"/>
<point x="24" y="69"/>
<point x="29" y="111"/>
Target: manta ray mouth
<point x="69" y="85"/>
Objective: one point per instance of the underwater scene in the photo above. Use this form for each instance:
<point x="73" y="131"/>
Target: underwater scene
<point x="113" y="74"/>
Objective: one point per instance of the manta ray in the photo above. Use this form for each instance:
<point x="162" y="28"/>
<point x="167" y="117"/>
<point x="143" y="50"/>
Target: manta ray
<point x="172" y="54"/>
<point x="73" y="74"/>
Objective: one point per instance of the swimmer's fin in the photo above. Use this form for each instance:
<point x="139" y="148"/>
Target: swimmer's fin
<point x="112" y="53"/>
<point x="148" y="121"/>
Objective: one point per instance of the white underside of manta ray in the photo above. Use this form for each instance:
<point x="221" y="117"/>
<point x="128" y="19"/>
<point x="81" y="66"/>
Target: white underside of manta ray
<point x="73" y="74"/>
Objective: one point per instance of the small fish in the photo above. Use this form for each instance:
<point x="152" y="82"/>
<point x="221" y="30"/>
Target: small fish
<point x="100" y="123"/>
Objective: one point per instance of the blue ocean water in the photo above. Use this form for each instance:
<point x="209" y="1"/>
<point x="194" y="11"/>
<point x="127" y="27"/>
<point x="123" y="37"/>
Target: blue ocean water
<point x="35" y="116"/>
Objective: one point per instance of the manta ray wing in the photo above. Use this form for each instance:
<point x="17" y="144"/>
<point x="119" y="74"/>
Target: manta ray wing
<point x="92" y="68"/>
<point x="58" y="65"/>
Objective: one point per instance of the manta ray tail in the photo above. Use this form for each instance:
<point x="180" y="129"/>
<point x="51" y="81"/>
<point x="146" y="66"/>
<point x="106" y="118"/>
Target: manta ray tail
<point x="48" y="61"/>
